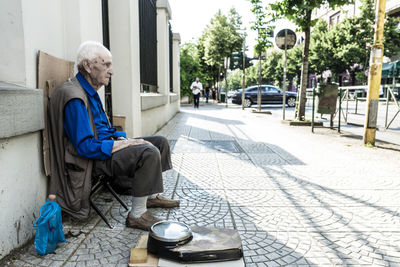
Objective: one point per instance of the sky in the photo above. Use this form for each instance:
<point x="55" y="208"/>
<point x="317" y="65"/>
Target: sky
<point x="190" y="17"/>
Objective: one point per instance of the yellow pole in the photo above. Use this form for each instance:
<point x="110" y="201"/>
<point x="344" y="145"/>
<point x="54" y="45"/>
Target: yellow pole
<point x="374" y="77"/>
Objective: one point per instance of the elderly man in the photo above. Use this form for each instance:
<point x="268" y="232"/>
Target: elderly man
<point x="84" y="143"/>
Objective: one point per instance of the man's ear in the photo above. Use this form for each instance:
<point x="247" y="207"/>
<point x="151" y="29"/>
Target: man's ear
<point x="86" y="66"/>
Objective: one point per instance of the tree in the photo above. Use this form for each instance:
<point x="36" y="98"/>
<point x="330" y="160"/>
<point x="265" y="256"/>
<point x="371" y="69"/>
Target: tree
<point x="273" y="67"/>
<point x="219" y="39"/>
<point x="251" y="76"/>
<point x="235" y="80"/>
<point x="263" y="42"/>
<point x="299" y="12"/>
<point x="294" y="62"/>
<point x="260" y="25"/>
<point x="189" y="67"/>
<point x="321" y="56"/>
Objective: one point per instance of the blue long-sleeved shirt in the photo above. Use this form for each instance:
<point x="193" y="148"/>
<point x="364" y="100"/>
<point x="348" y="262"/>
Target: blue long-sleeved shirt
<point x="77" y="125"/>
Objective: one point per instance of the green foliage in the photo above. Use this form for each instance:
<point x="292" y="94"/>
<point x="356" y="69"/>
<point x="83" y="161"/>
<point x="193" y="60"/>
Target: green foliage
<point x="299" y="12"/>
<point x="259" y="25"/>
<point x="251" y="76"/>
<point x="235" y="80"/>
<point x="272" y="67"/>
<point x="219" y="39"/>
<point x="391" y="36"/>
<point x="293" y="64"/>
<point x="189" y="67"/>
<point x="321" y="56"/>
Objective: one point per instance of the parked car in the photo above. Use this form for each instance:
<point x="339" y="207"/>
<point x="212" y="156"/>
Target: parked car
<point x="269" y="95"/>
<point x="231" y="93"/>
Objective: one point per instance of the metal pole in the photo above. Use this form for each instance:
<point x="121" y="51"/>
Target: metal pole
<point x="347" y="103"/>
<point x="259" y="84"/>
<point x="219" y="85"/>
<point x="244" y="72"/>
<point x="284" y="79"/>
<point x="387" y="98"/>
<point x="226" y="84"/>
<point x="375" y="73"/>
<point x="313" y="107"/>
<point x="340" y="108"/>
<point x="387" y="106"/>
<point x="356" y="104"/>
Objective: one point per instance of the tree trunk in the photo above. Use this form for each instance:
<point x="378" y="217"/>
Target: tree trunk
<point x="304" y="74"/>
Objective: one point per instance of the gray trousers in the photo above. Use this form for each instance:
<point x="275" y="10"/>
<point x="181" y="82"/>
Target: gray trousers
<point x="137" y="170"/>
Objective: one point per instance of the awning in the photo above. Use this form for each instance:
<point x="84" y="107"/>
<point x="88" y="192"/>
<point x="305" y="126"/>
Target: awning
<point x="387" y="70"/>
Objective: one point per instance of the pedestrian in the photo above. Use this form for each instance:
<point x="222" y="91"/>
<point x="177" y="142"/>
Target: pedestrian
<point x="196" y="89"/>
<point x="214" y="93"/>
<point x="207" y="92"/>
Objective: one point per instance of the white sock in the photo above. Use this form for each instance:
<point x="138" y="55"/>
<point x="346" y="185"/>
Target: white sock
<point x="153" y="196"/>
<point x="138" y="206"/>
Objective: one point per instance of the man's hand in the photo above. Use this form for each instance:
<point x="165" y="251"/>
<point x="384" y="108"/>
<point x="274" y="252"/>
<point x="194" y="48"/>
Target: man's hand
<point x="118" y="145"/>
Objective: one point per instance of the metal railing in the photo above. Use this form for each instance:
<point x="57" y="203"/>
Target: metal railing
<point x="350" y="94"/>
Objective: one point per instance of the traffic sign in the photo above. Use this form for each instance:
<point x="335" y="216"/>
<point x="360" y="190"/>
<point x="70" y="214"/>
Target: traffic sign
<point x="290" y="39"/>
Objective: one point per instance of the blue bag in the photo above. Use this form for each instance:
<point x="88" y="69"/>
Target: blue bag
<point x="49" y="228"/>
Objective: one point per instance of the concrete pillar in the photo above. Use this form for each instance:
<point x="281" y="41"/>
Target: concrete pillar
<point x="176" y="80"/>
<point x="125" y="48"/>
<point x="163" y="16"/>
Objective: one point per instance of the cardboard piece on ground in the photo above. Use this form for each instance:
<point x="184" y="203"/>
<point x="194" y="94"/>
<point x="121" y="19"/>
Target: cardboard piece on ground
<point x="138" y="255"/>
<point x="152" y="261"/>
<point x="51" y="73"/>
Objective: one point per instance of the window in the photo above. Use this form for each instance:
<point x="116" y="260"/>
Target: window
<point x="334" y="19"/>
<point x="148" y="45"/>
<point x="272" y="89"/>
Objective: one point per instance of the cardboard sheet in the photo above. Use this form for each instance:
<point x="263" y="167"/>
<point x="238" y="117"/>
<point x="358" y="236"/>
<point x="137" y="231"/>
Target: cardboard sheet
<point x="51" y="73"/>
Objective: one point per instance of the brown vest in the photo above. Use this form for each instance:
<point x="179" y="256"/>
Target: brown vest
<point x="70" y="173"/>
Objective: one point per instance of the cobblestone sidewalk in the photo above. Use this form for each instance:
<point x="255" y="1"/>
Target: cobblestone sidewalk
<point x="296" y="199"/>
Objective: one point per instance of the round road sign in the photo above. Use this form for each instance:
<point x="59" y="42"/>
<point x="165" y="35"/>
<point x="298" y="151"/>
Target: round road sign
<point x="290" y="39"/>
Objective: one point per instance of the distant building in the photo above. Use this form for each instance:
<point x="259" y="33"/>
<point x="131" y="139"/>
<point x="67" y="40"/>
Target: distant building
<point x="334" y="16"/>
<point x="393" y="8"/>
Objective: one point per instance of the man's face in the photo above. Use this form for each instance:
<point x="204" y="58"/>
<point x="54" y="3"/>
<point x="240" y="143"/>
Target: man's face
<point x="100" y="70"/>
<point x="197" y="79"/>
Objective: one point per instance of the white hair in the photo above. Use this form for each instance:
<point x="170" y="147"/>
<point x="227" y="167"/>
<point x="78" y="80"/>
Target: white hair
<point x="89" y="50"/>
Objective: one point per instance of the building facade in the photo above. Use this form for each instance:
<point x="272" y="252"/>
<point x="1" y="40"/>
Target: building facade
<point x="334" y="16"/>
<point x="58" y="27"/>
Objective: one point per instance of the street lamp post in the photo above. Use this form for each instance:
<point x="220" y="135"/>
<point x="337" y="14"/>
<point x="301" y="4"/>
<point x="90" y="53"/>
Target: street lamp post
<point x="285" y="39"/>
<point x="284" y="79"/>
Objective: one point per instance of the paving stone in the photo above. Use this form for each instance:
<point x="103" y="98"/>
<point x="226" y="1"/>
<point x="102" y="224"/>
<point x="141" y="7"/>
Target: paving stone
<point x="191" y="197"/>
<point x="200" y="182"/>
<point x="215" y="215"/>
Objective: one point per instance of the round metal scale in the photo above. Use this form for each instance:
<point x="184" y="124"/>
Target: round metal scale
<point x="171" y="233"/>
